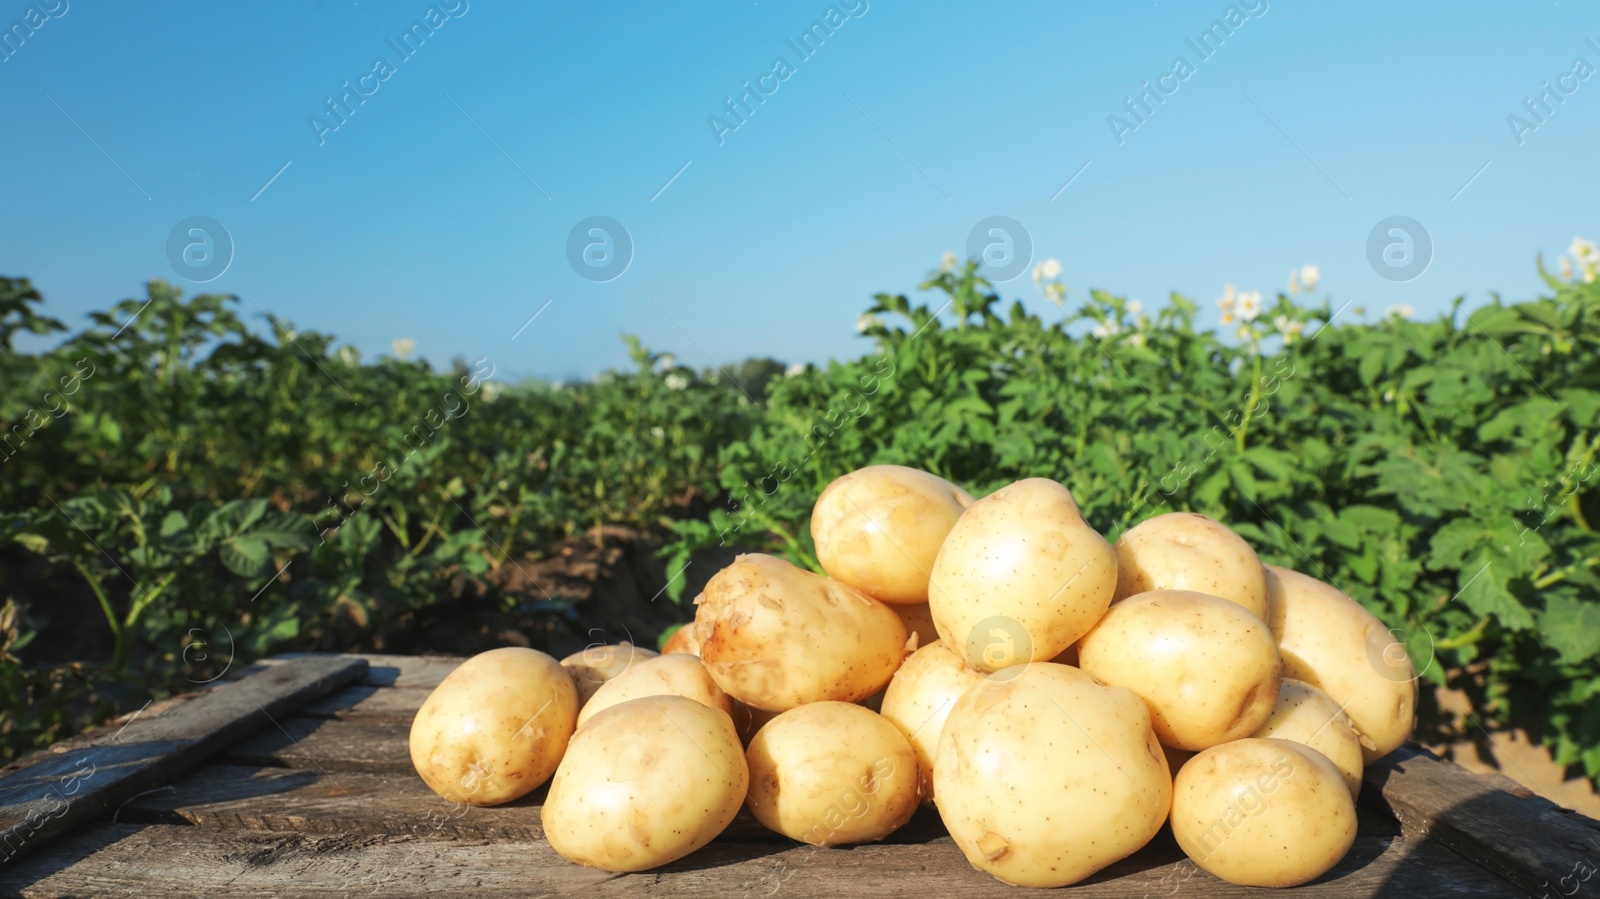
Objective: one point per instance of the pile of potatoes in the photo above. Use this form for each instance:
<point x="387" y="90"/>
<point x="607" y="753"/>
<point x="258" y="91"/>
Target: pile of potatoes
<point x="1055" y="697"/>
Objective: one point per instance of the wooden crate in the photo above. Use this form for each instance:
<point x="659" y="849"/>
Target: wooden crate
<point x="294" y="780"/>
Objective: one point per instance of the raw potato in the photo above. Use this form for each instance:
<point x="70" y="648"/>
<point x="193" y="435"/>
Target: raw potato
<point x="832" y="774"/>
<point x="494" y="728"/>
<point x="675" y="674"/>
<point x="682" y="640"/>
<point x="878" y="529"/>
<point x="775" y="636"/>
<point x="1329" y="641"/>
<point x="1310" y="717"/>
<point x="1208" y="668"/>
<point x="1021" y="577"/>
<point x="1265" y="813"/>
<point x="598" y="664"/>
<point x="919" y="621"/>
<point x="920" y="697"/>
<point x="644" y="784"/>
<point x="1185" y="551"/>
<point x="1048" y="777"/>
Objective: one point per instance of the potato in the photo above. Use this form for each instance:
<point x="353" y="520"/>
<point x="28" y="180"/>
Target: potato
<point x="682" y="640"/>
<point x="646" y="782"/>
<point x="1310" y="717"/>
<point x="775" y="636"/>
<point x="1329" y="641"/>
<point x="919" y="621"/>
<point x="920" y="697"/>
<point x="832" y="774"/>
<point x="1265" y="813"/>
<point x="1185" y="551"/>
<point x="1208" y="668"/>
<point x="1048" y="777"/>
<point x="598" y="664"/>
<point x="1021" y="577"/>
<point x="674" y="674"/>
<point x="495" y="727"/>
<point x="878" y="529"/>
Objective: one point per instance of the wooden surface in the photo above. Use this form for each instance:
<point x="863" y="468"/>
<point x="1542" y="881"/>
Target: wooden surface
<point x="62" y="790"/>
<point x="324" y="802"/>
<point x="1521" y="836"/>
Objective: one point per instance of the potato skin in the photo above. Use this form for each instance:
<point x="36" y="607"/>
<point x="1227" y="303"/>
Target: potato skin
<point x="645" y="783"/>
<point x="920" y="697"/>
<point x="597" y="664"/>
<point x="775" y="636"/>
<point x="879" y="528"/>
<point x="1186" y="551"/>
<point x="682" y="640"/>
<point x="1329" y="641"/>
<point x="1310" y="717"/>
<point x="1208" y="668"/>
<point x="1048" y="777"/>
<point x="494" y="728"/>
<point x="674" y="674"/>
<point x="832" y="774"/>
<point x="1021" y="577"/>
<point x="1265" y="813"/>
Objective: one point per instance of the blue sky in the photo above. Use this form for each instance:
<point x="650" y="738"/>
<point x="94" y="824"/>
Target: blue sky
<point x="440" y="209"/>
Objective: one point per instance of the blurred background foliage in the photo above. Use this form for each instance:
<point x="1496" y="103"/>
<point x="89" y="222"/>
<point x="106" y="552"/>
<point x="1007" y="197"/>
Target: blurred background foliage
<point x="179" y="494"/>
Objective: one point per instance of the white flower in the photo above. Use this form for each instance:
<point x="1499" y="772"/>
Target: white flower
<point x="676" y="382"/>
<point x="1228" y="317"/>
<point x="947" y="263"/>
<point x="1105" y="329"/>
<point x="795" y="370"/>
<point x="1226" y="301"/>
<point x="1245" y="332"/>
<point x="1046" y="270"/>
<point x="402" y="346"/>
<point x="1586" y="257"/>
<point x="1056" y="292"/>
<point x="491" y="389"/>
<point x="1584" y="250"/>
<point x="667" y="361"/>
<point x="348" y="355"/>
<point x="657" y="432"/>
<point x="1134" y="307"/>
<point x="1294" y="282"/>
<point x="1403" y="310"/>
<point x="1310" y="276"/>
<point x="1137" y="338"/>
<point x="865" y="321"/>
<point x="1249" y="305"/>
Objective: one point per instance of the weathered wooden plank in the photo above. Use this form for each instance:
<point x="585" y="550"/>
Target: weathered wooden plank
<point x="363" y="701"/>
<point x="419" y="672"/>
<point x="163" y="860"/>
<point x="290" y="800"/>
<point x="325" y="744"/>
<point x="1523" y="837"/>
<point x="42" y="800"/>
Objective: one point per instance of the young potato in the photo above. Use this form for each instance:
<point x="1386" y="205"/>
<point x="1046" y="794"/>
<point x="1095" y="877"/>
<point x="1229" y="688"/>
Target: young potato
<point x="920" y="697"/>
<point x="1048" y="777"/>
<point x="1329" y="641"/>
<point x="918" y="621"/>
<point x="1310" y="717"/>
<point x="682" y="640"/>
<point x="646" y="783"/>
<point x="775" y="636"/>
<point x="598" y="664"/>
<point x="878" y="529"/>
<point x="1021" y="577"/>
<point x="1266" y="813"/>
<point x="832" y="774"/>
<point x="1208" y="668"/>
<point x="674" y="674"/>
<point x="495" y="727"/>
<point x="1185" y="551"/>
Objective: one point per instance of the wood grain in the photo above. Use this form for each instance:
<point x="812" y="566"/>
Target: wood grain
<point x="46" y="798"/>
<point x="1523" y="837"/>
<point x="150" y="860"/>
<point x="328" y="744"/>
<point x="361" y="701"/>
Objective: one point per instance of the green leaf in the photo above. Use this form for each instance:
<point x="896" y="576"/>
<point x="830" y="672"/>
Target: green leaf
<point x="1572" y="628"/>
<point x="1484" y="591"/>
